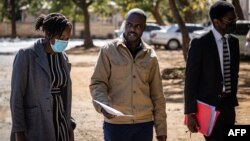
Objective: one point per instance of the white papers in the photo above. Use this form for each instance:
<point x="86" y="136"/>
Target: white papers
<point x="110" y="110"/>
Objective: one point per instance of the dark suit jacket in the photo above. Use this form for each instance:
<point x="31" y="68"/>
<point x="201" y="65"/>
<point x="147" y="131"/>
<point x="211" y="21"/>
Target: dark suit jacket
<point x="204" y="79"/>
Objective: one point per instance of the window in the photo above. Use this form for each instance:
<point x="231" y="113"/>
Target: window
<point x="152" y="27"/>
<point x="242" y="27"/>
<point x="192" y="28"/>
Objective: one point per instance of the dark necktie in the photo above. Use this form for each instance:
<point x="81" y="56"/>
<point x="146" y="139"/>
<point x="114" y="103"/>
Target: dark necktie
<point x="226" y="67"/>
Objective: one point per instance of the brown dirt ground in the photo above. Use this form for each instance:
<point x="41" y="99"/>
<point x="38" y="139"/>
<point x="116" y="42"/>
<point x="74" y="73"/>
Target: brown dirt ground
<point x="89" y="122"/>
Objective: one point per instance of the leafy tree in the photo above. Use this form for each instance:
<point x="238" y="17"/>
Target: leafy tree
<point x="193" y="10"/>
<point x="3" y="11"/>
<point x="10" y="12"/>
<point x="187" y="11"/>
<point x="34" y="6"/>
<point x="66" y="7"/>
<point x="103" y="8"/>
<point x="152" y="6"/>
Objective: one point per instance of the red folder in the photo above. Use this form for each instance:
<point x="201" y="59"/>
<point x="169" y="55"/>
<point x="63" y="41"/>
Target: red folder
<point x="206" y="116"/>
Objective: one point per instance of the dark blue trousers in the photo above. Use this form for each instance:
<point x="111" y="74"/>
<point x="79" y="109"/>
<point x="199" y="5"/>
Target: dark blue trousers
<point x="128" y="132"/>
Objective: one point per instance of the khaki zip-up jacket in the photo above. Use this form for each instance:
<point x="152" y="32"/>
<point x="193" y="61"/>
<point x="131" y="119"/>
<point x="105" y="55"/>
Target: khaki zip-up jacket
<point x="132" y="86"/>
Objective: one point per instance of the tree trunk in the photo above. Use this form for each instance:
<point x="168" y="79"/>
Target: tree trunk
<point x="88" y="43"/>
<point x="74" y="28"/>
<point x="182" y="26"/>
<point x="188" y="17"/>
<point x="156" y="13"/>
<point x="238" y="9"/>
<point x="13" y="19"/>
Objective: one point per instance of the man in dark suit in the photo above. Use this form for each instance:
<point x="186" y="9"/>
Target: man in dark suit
<point x="212" y="70"/>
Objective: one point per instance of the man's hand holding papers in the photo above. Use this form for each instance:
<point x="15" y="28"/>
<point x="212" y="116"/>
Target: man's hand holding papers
<point x="192" y="123"/>
<point x="110" y="112"/>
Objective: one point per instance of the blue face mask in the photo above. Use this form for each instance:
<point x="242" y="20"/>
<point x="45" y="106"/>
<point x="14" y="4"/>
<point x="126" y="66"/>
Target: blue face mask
<point x="59" y="45"/>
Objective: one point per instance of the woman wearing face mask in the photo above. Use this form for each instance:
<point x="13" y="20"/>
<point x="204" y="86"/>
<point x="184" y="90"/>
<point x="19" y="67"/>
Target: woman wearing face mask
<point x="41" y="86"/>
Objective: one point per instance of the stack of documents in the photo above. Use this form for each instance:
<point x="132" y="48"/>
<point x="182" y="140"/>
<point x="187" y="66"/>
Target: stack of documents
<point x="206" y="116"/>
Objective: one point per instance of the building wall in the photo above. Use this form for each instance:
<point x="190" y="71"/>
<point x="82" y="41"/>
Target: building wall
<point x="25" y="30"/>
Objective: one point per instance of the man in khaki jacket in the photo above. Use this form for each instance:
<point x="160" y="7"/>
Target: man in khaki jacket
<point x="127" y="78"/>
